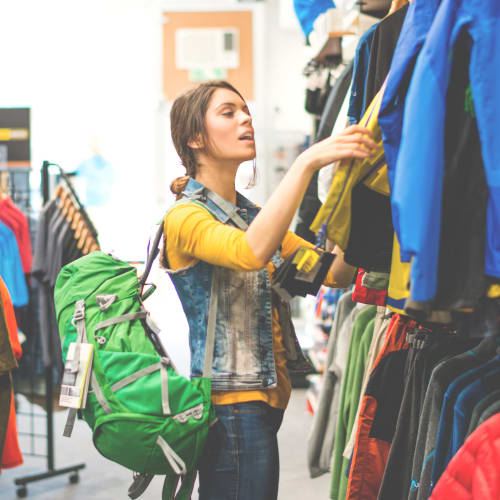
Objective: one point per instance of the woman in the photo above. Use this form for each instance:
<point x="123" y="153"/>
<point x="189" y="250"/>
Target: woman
<point x="223" y="272"/>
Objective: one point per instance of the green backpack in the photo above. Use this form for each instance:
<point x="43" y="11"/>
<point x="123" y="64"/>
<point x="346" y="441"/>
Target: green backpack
<point x="143" y="414"/>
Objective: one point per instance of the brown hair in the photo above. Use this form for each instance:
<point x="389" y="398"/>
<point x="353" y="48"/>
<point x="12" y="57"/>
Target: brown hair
<point x="187" y="122"/>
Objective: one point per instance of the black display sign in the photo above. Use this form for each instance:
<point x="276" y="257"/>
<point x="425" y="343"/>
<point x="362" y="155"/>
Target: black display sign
<point x="15" y="138"/>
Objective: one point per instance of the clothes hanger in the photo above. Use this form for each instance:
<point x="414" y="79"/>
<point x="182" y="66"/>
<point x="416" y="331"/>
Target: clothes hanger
<point x="94" y="247"/>
<point x="63" y="197"/>
<point x="71" y="213"/>
<point x="83" y="237"/>
<point x="58" y="191"/>
<point x="67" y="204"/>
<point x="79" y="229"/>
<point x="4" y="186"/>
<point x="396" y="5"/>
<point x="77" y="217"/>
<point x="87" y="245"/>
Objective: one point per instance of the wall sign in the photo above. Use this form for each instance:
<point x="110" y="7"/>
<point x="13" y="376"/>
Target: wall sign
<point x="200" y="46"/>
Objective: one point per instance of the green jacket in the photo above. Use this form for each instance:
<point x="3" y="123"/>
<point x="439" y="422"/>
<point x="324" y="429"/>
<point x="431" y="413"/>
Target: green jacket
<point x="349" y="399"/>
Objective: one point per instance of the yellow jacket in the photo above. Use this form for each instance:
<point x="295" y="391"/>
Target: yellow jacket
<point x="336" y="211"/>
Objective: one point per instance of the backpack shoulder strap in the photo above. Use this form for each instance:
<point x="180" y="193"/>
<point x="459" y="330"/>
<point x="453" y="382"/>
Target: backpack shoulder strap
<point x="154" y="248"/>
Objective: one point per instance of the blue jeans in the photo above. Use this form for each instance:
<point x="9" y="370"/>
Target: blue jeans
<point x="241" y="460"/>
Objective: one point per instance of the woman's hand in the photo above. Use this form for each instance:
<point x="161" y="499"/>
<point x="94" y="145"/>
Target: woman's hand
<point x="268" y="229"/>
<point x="354" y="142"/>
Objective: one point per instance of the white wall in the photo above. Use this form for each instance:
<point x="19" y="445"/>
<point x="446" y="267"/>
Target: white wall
<point x="91" y="72"/>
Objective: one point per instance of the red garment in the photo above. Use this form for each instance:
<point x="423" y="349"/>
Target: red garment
<point x="11" y="456"/>
<point x="367" y="295"/>
<point x="16" y="221"/>
<point x="474" y="472"/>
<point x="372" y="446"/>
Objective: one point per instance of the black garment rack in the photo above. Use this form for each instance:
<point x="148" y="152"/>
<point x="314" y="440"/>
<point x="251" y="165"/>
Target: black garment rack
<point x="51" y="471"/>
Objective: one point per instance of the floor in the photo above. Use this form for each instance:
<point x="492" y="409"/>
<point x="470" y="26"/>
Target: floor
<point x="103" y="480"/>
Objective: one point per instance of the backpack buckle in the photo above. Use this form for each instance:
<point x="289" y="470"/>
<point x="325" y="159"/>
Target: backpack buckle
<point x="79" y="314"/>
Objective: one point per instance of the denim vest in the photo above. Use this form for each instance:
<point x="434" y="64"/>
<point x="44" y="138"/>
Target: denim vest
<point x="243" y="352"/>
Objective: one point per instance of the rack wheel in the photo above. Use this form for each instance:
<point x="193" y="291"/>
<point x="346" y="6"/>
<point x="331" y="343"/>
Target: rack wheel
<point x="22" y="492"/>
<point x="74" y="478"/>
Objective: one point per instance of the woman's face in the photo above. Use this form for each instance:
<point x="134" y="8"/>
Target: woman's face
<point x="229" y="128"/>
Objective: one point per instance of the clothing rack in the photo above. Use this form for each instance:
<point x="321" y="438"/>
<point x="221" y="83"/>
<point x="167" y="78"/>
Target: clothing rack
<point x="51" y="471"/>
<point x="65" y="177"/>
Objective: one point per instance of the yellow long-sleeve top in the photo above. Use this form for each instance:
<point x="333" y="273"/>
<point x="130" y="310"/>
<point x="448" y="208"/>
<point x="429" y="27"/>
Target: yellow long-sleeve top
<point x="193" y="234"/>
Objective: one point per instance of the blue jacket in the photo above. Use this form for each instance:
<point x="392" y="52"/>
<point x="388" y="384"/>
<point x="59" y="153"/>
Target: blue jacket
<point x="417" y="23"/>
<point x="243" y="354"/>
<point x="445" y="432"/>
<point x="357" y="100"/>
<point x="11" y="269"/>
<point x="464" y="406"/>
<point x="418" y="178"/>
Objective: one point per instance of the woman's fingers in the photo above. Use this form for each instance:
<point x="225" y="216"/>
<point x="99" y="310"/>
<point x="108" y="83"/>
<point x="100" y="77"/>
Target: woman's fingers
<point x="360" y="139"/>
<point x="355" y="150"/>
<point x="355" y="145"/>
<point x="356" y="129"/>
<point x="352" y="134"/>
<point x="353" y="142"/>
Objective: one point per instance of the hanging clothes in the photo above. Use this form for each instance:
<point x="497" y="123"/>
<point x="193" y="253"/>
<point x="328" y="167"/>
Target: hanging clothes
<point x="10" y="353"/>
<point x="334" y="103"/>
<point x="310" y="203"/>
<point x="11" y="269"/>
<point x="437" y="345"/>
<point x="463" y="231"/>
<point x="321" y="438"/>
<point x="433" y="181"/>
<point x="419" y="171"/>
<point x="378" y="413"/>
<point x="416" y="25"/>
<point x="487" y="404"/>
<point x="383" y="45"/>
<point x="8" y="362"/>
<point x="380" y="330"/>
<point x="474" y="472"/>
<point x="371" y="287"/>
<point x="326" y="174"/>
<point x="17" y="221"/>
<point x="63" y="235"/>
<point x="369" y="244"/>
<point x="349" y="399"/>
<point x="307" y="12"/>
<point x="444" y="441"/>
<point x="357" y="99"/>
<point x="493" y="409"/>
<point x="443" y="375"/>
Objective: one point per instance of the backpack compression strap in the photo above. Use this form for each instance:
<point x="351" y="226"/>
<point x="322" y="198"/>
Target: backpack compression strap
<point x="79" y="323"/>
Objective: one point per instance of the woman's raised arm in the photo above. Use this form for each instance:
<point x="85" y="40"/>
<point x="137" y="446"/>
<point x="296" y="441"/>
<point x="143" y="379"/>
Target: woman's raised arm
<point x="268" y="229"/>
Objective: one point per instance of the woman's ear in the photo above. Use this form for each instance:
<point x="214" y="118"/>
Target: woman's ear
<point x="196" y="143"/>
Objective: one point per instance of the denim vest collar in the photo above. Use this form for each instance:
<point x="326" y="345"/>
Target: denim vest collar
<point x="221" y="208"/>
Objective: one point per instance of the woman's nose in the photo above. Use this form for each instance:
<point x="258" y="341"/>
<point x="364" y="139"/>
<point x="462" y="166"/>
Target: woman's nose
<point x="245" y="117"/>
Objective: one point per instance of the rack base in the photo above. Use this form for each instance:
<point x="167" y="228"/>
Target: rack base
<point x="22" y="491"/>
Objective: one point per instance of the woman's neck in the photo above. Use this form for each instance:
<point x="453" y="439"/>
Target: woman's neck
<point x="220" y="179"/>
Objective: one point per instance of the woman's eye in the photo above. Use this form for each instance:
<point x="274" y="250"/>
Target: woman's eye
<point x="228" y="113"/>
